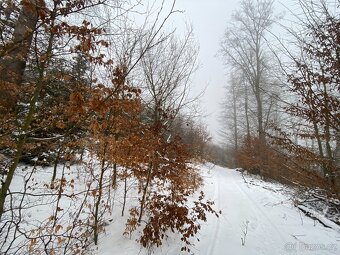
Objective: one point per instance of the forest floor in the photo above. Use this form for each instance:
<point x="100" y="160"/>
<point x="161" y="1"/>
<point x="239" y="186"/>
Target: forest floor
<point x="261" y="213"/>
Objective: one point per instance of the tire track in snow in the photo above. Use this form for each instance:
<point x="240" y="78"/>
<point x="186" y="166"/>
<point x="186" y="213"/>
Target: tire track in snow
<point x="261" y="217"/>
<point x="248" y="210"/>
<point x="259" y="209"/>
<point x="217" y="199"/>
<point x="268" y="232"/>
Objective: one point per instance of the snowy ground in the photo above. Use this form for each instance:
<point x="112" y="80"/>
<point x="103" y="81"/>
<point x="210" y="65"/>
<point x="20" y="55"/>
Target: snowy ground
<point x="264" y="210"/>
<point x="273" y="224"/>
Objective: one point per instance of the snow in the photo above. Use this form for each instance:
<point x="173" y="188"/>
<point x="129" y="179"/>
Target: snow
<point x="264" y="210"/>
<point x="275" y="226"/>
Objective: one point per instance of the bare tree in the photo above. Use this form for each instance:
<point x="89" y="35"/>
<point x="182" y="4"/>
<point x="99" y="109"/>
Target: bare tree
<point x="230" y="115"/>
<point x="167" y="69"/>
<point x="244" y="45"/>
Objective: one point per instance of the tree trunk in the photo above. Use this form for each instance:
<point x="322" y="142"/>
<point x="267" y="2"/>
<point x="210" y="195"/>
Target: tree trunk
<point x="20" y="145"/>
<point x="114" y="177"/>
<point x="145" y="189"/>
<point x="246" y="111"/>
<point x="32" y="107"/>
<point x="321" y="153"/>
<point x="234" y="105"/>
<point x="235" y="119"/>
<point x="13" y="62"/>
<point x="262" y="137"/>
<point x="327" y="132"/>
<point x="100" y="191"/>
<point x="257" y="90"/>
<point x="125" y="192"/>
<point x="337" y="149"/>
<point x="259" y="110"/>
<point x="56" y="161"/>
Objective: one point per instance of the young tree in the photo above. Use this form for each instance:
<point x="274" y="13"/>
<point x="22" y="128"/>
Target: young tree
<point x="47" y="31"/>
<point x="316" y="81"/>
<point x="70" y="107"/>
<point x="52" y="31"/>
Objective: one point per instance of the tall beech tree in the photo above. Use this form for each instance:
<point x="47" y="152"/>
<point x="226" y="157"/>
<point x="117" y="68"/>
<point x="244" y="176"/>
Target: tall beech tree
<point x="244" y="48"/>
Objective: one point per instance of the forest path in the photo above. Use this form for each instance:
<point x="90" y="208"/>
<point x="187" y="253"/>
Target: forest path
<point x="274" y="225"/>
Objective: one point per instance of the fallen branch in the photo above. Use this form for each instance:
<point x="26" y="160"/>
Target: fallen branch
<point x="310" y="215"/>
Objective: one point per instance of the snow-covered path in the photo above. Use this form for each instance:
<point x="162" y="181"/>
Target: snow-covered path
<point x="274" y="225"/>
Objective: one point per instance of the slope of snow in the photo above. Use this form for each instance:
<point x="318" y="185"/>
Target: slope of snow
<point x="273" y="224"/>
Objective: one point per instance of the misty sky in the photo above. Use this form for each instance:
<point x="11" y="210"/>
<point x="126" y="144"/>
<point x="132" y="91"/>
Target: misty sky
<point x="209" y="19"/>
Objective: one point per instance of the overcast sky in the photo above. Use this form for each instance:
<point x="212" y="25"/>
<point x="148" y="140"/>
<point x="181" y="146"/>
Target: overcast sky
<point x="209" y="20"/>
